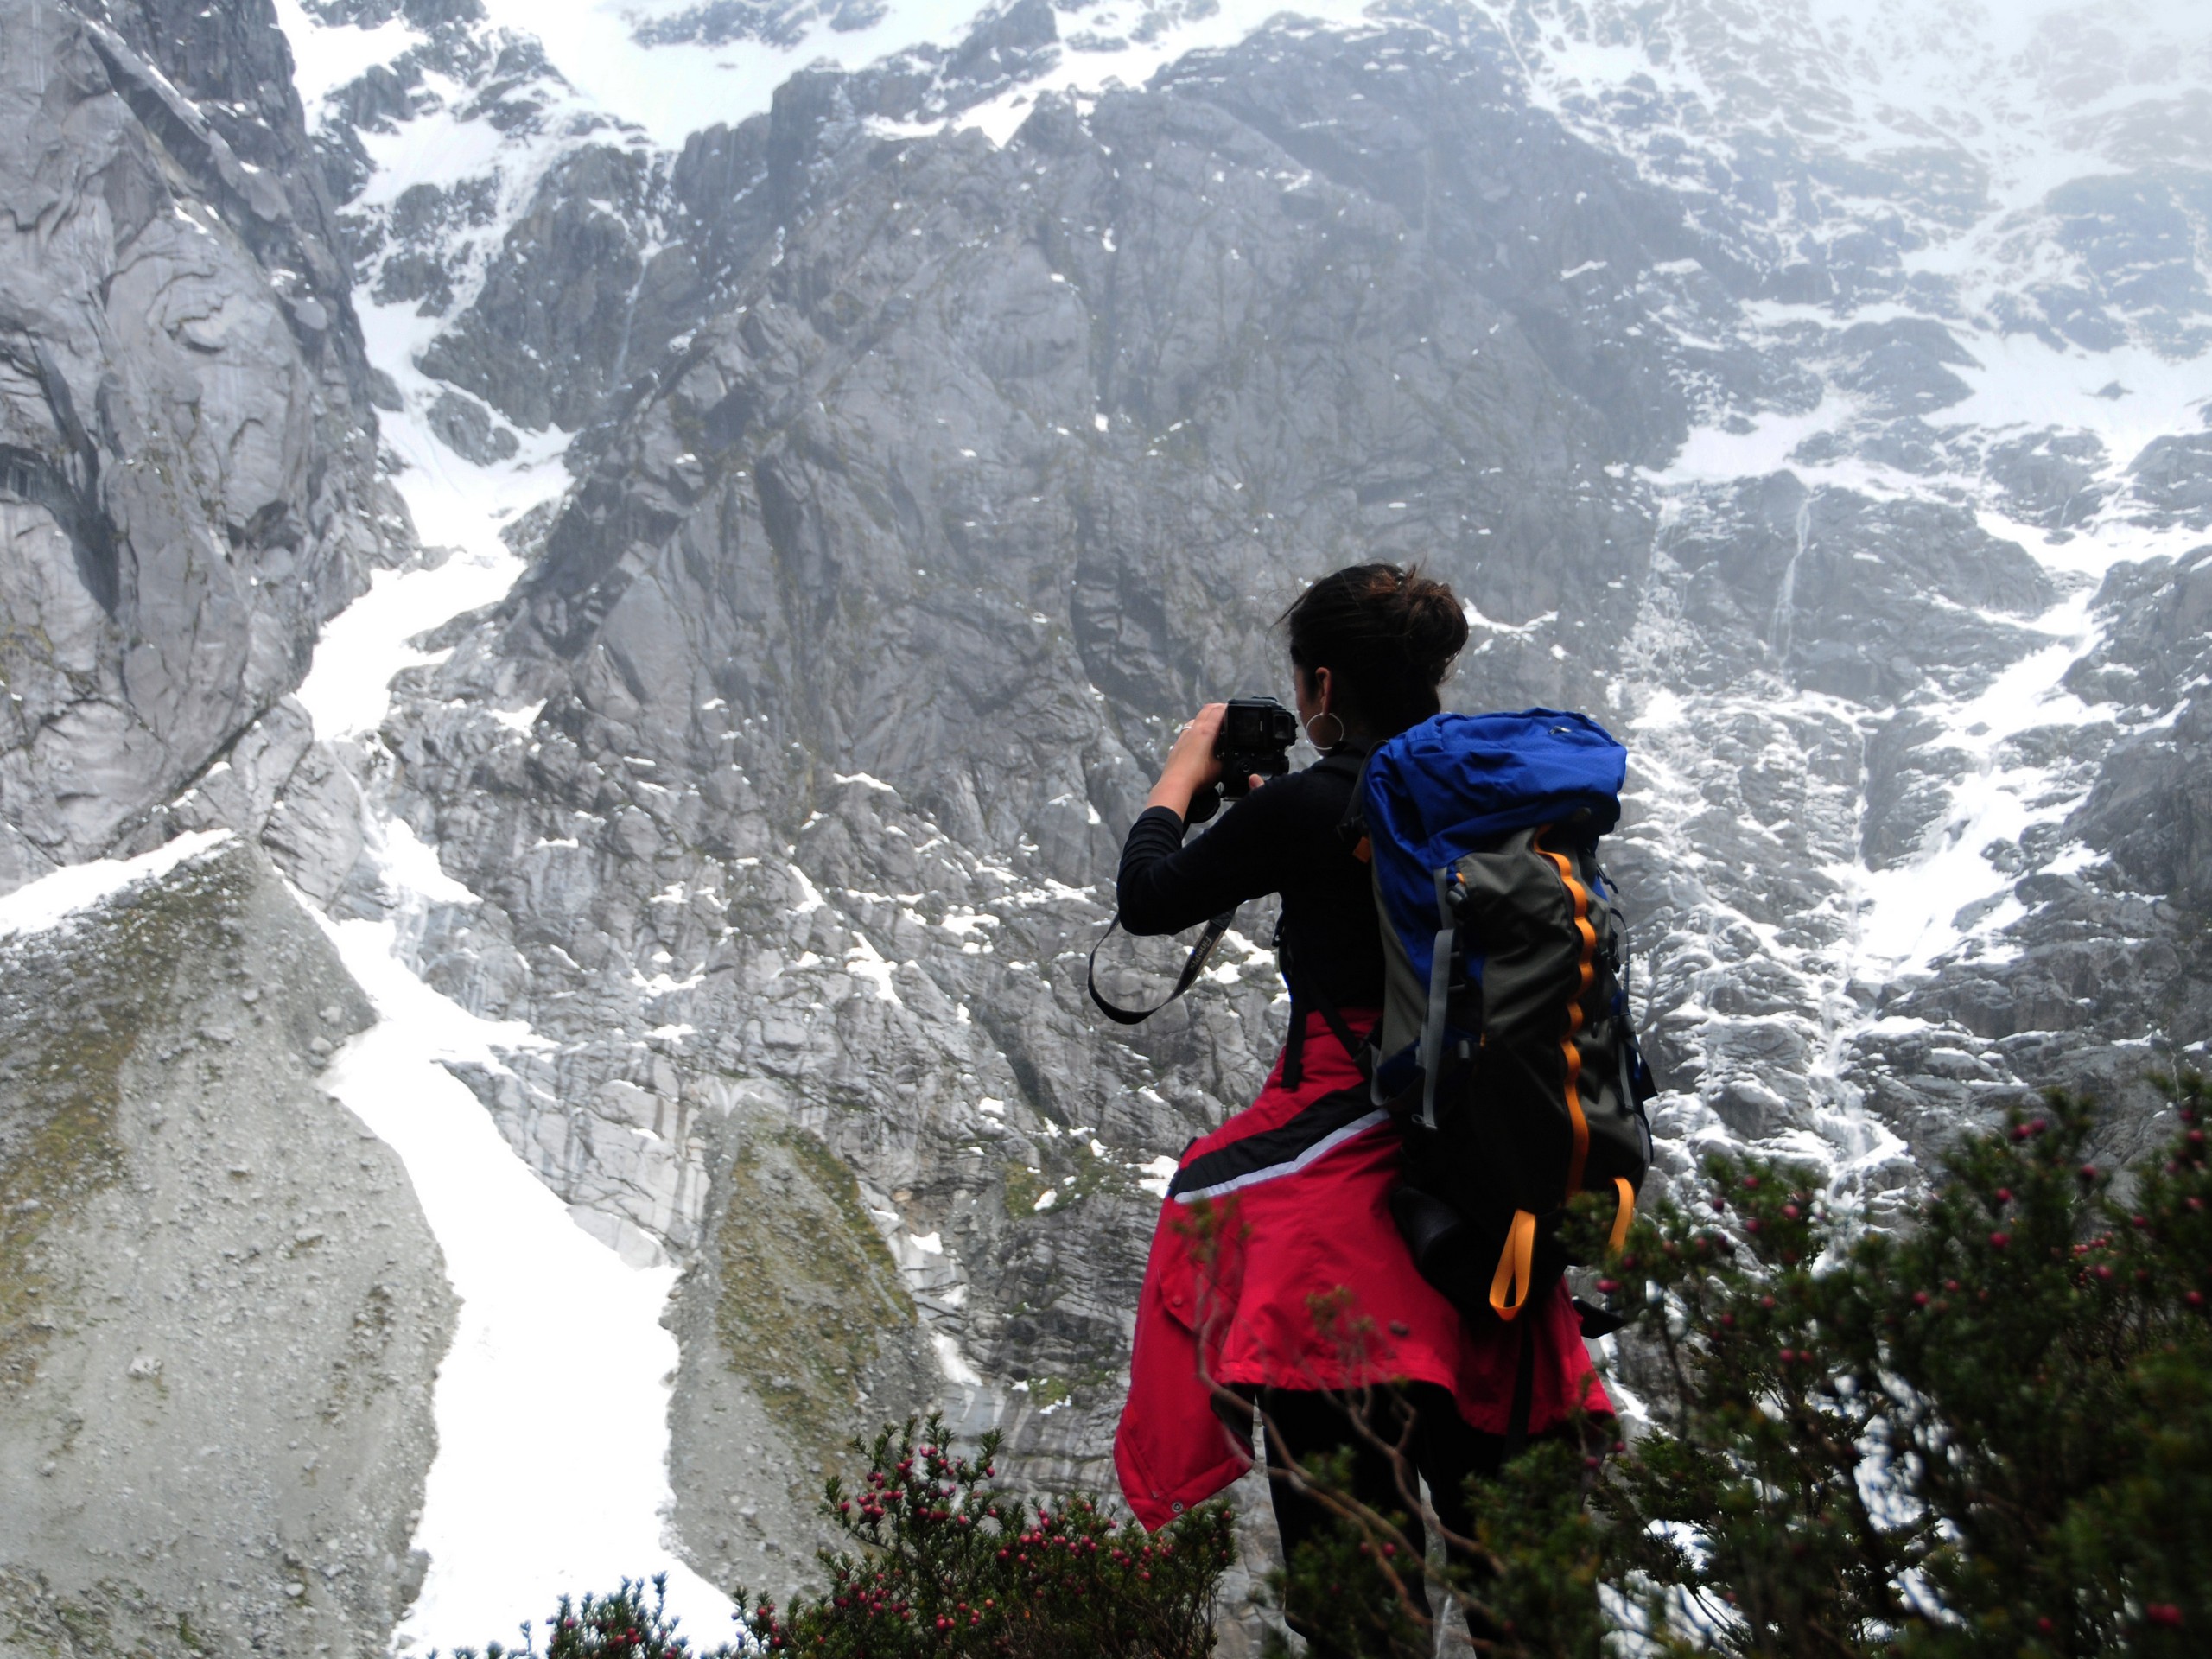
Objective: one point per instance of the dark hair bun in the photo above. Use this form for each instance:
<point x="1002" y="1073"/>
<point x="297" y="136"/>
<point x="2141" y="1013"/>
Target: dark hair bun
<point x="1387" y="636"/>
<point x="1433" y="624"/>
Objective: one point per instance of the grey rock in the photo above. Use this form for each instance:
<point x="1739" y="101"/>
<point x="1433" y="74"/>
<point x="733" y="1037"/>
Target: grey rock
<point x="1908" y="775"/>
<point x="2173" y="479"/>
<point x="188" y="1450"/>
<point x="2051" y="477"/>
<point x="186" y="444"/>
<point x="469" y="430"/>
<point x="314" y="832"/>
<point x="2151" y="810"/>
<point x="1833" y="588"/>
<point x="2130" y="231"/>
<point x="578" y="286"/>
<point x="1902" y="367"/>
<point x="240" y="791"/>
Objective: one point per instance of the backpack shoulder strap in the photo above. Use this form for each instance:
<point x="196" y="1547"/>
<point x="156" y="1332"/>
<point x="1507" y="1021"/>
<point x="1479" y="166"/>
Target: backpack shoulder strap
<point x="1303" y="997"/>
<point x="1351" y="828"/>
<point x="1346" y="760"/>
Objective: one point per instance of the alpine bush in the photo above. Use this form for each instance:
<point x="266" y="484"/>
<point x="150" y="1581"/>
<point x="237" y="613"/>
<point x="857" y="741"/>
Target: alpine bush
<point x="944" y="1564"/>
<point x="1985" y="1434"/>
<point x="948" y="1566"/>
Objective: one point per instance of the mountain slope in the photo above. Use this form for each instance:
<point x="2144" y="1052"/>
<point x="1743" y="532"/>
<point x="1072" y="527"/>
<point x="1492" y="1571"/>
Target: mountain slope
<point x="839" y="481"/>
<point x="1726" y="365"/>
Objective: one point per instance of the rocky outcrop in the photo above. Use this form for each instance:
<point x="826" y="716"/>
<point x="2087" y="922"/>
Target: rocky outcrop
<point x="2152" y="809"/>
<point x="187" y="450"/>
<point x="221" y="1310"/>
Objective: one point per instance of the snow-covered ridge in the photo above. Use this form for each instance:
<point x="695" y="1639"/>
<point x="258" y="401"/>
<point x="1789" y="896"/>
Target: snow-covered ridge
<point x="1955" y="114"/>
<point x="669" y="68"/>
<point x="52" y="900"/>
<point x="1960" y="180"/>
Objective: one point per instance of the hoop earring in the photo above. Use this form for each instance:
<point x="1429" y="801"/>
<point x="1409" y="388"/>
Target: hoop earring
<point x="1327" y="713"/>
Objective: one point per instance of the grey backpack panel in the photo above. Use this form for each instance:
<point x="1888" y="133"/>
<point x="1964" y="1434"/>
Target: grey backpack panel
<point x="1531" y="1087"/>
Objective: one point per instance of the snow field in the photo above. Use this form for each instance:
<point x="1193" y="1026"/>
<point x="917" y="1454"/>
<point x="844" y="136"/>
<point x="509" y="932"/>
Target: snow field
<point x="51" y="900"/>
<point x="348" y="690"/>
<point x="2033" y="93"/>
<point x="1099" y="52"/>
<point x="672" y="91"/>
<point x="325" y="56"/>
<point x="667" y="92"/>
<point x="551" y="1405"/>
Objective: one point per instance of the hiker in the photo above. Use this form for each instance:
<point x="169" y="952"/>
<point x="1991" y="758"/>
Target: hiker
<point x="1298" y="1285"/>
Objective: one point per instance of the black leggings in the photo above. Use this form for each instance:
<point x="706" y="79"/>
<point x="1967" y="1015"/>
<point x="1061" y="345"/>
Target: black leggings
<point x="1445" y="1452"/>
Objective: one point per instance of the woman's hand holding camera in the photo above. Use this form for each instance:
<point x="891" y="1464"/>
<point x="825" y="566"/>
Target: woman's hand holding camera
<point x="1192" y="765"/>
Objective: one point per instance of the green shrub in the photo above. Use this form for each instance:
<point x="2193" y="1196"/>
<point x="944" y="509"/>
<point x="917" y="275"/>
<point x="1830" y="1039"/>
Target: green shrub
<point x="948" y="1566"/>
<point x="1989" y="1434"/>
<point x="945" y="1565"/>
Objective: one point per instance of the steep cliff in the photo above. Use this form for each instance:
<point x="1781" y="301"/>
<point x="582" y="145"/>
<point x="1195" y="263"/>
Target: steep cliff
<point x="840" y="481"/>
<point x="187" y="452"/>
<point x="220" y="1308"/>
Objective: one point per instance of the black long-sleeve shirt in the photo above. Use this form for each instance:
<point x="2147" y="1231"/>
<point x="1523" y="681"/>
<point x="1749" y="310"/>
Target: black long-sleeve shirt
<point x="1282" y="838"/>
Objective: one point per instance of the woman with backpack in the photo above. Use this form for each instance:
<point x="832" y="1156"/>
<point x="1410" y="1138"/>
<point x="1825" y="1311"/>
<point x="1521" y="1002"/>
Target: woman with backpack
<point x="1278" y="1279"/>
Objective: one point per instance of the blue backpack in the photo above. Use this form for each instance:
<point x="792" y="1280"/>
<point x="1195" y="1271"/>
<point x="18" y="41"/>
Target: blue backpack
<point x="1506" y="1047"/>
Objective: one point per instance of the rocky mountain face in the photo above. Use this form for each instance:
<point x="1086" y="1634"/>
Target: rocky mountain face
<point x="1817" y="401"/>
<point x="219" y="1309"/>
<point x="187" y="465"/>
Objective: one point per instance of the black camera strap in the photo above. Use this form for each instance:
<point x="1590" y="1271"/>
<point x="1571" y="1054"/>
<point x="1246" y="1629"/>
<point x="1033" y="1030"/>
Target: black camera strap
<point x="1347" y="759"/>
<point x="1200" y="953"/>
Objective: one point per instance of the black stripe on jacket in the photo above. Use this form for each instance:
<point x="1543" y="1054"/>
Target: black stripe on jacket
<point x="1316" y="1130"/>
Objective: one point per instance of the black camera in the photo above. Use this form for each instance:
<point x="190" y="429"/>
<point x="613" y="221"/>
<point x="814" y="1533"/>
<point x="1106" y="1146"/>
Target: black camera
<point x="1256" y="733"/>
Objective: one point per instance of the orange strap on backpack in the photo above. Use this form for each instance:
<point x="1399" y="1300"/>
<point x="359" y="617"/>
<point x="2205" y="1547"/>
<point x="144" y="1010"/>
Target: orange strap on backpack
<point x="1622" y="1217"/>
<point x="1509" y="1286"/>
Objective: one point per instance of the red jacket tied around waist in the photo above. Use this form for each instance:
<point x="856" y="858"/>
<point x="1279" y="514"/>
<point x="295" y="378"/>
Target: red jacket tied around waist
<point x="1275" y="1263"/>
